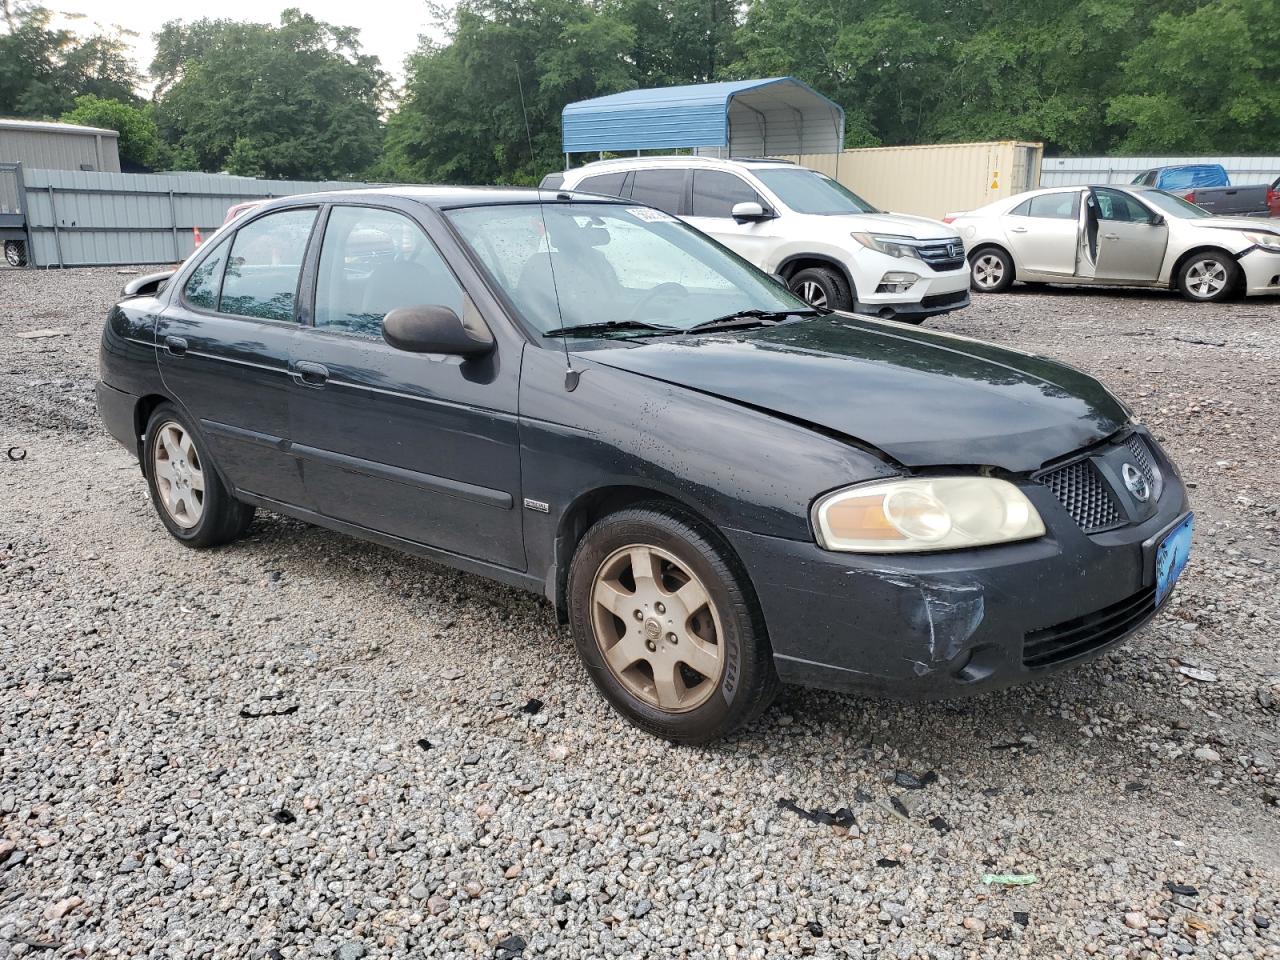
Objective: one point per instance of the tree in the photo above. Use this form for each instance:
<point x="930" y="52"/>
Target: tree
<point x="678" y="41"/>
<point x="485" y="108"/>
<point x="43" y="69"/>
<point x="298" y="101"/>
<point x="140" y="141"/>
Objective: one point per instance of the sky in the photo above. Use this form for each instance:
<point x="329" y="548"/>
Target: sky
<point x="388" y="30"/>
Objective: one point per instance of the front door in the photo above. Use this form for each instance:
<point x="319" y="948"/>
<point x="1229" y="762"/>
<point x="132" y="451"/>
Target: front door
<point x="1131" y="239"/>
<point x="1044" y="233"/>
<point x="224" y="345"/>
<point x="715" y="192"/>
<point x="416" y="446"/>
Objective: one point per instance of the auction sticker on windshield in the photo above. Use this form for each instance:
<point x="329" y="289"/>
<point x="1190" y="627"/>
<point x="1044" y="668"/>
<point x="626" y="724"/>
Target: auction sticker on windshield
<point x="1171" y="557"/>
<point x="649" y="215"/>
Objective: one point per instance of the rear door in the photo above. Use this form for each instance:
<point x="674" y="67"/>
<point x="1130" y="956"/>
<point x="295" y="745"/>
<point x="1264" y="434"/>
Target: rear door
<point x="1044" y="232"/>
<point x="416" y="446"/>
<point x="714" y="194"/>
<point x="1131" y="238"/>
<point x="225" y="341"/>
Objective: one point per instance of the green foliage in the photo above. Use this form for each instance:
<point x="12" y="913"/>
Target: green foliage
<point x="139" y="136"/>
<point x="297" y="101"/>
<point x="43" y="70"/>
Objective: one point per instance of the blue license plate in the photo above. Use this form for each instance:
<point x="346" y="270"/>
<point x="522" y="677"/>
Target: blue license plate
<point x="1171" y="557"/>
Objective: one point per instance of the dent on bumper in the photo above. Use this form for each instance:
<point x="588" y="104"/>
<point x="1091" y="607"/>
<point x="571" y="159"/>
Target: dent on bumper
<point x="948" y="624"/>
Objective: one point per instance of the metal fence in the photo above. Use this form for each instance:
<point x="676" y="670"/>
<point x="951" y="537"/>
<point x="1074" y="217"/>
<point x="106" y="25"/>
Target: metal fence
<point x="1082" y="171"/>
<point x="79" y="219"/>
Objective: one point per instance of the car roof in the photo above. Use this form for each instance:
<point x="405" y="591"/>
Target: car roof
<point x="447" y="197"/>
<point x="663" y="160"/>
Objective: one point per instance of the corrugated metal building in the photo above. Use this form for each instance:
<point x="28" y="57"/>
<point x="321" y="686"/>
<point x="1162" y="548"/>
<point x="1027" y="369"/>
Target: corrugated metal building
<point x="1085" y="171"/>
<point x="59" y="146"/>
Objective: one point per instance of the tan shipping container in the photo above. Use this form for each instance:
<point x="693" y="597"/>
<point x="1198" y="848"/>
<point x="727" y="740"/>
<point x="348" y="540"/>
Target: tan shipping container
<point x="936" y="179"/>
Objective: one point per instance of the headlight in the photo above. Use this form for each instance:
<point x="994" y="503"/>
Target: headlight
<point x="892" y="246"/>
<point x="1269" y="240"/>
<point x="929" y="513"/>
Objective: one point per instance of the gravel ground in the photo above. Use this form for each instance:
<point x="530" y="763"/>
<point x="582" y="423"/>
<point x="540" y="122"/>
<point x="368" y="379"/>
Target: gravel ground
<point x="304" y="746"/>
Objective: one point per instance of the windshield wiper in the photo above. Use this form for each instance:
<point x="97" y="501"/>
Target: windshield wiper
<point x="608" y="326"/>
<point x="749" y="318"/>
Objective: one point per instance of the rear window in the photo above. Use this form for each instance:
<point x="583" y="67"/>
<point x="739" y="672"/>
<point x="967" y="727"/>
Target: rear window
<point x="1050" y="206"/>
<point x="552" y="181"/>
<point x="266" y="258"/>
<point x="607" y="184"/>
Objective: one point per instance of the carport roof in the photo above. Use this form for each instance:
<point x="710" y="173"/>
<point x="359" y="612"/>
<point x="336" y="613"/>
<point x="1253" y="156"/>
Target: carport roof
<point x="769" y="117"/>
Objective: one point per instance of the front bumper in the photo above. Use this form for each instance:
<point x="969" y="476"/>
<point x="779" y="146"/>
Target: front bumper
<point x="932" y="294"/>
<point x="932" y="626"/>
<point x="1261" y="271"/>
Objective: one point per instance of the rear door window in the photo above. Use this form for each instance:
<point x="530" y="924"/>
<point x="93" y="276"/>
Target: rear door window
<point x="1054" y="206"/>
<point x="663" y="189"/>
<point x="606" y="184"/>
<point x="261" y="279"/>
<point x="716" y="193"/>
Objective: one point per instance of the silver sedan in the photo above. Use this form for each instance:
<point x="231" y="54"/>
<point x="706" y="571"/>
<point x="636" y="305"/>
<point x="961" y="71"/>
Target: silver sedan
<point x="1129" y="236"/>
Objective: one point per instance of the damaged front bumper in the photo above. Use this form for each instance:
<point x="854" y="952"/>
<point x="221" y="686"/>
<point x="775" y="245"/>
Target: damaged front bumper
<point x="932" y="626"/>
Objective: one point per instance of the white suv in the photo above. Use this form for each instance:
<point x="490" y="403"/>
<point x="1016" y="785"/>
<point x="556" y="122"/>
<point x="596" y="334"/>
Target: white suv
<point x="831" y="247"/>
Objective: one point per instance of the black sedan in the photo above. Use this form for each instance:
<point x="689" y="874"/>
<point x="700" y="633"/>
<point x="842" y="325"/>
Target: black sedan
<point x="718" y="487"/>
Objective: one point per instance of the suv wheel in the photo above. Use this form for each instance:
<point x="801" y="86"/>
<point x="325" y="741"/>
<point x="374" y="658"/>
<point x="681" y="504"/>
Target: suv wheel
<point x="186" y="490"/>
<point x="668" y="626"/>
<point x="823" y="288"/>
<point x="1209" y="277"/>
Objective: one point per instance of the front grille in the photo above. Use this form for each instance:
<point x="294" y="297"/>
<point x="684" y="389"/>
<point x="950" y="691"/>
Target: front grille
<point x="945" y="299"/>
<point x="1075" y="638"/>
<point x="1081" y="489"/>
<point x="947" y="255"/>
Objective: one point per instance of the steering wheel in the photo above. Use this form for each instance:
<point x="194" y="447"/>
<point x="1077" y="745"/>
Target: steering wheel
<point x="663" y="291"/>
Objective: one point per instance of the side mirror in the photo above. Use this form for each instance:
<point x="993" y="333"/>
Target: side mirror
<point x="146" y="286"/>
<point x="1157" y="220"/>
<point x="745" y="212"/>
<point x="435" y="329"/>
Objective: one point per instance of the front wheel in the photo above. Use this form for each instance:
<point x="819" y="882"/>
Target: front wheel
<point x="186" y="490"/>
<point x="823" y="288"/>
<point x="668" y="626"/>
<point x="991" y="270"/>
<point x="1209" y="277"/>
<point x="15" y="253"/>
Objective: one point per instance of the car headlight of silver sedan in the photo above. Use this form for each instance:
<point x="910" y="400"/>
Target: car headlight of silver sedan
<point x="1269" y="241"/>
<point x="890" y="245"/>
<point x="924" y="513"/>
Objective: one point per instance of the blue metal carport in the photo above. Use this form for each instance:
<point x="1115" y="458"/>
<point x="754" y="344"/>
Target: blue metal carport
<point x="744" y="118"/>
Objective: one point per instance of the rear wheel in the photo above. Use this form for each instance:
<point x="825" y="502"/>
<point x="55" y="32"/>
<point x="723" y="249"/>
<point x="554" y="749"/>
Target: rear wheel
<point x="990" y="270"/>
<point x="668" y="626"/>
<point x="15" y="253"/>
<point x="822" y="287"/>
<point x="186" y="490"/>
<point x="1208" y="277"/>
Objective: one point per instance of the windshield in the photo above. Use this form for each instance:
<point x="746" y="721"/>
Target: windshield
<point x="613" y="263"/>
<point x="806" y="191"/>
<point x="1174" y="206"/>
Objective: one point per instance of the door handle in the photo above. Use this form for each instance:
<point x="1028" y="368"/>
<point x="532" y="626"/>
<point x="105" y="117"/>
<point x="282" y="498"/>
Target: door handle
<point x="311" y="374"/>
<point x="175" y="346"/>
<point x="1110" y="236"/>
<point x="1018" y="230"/>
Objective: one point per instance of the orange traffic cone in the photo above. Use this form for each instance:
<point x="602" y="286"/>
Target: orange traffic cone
<point x="195" y="235"/>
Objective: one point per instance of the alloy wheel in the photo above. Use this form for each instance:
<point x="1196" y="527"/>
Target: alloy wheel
<point x="657" y="628"/>
<point x="813" y="294"/>
<point x="179" y="474"/>
<point x="1206" y="279"/>
<point x="988" y="271"/>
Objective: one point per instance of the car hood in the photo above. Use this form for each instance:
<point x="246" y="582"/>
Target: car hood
<point x="896" y="224"/>
<point x="922" y="398"/>
<point x="1266" y="225"/>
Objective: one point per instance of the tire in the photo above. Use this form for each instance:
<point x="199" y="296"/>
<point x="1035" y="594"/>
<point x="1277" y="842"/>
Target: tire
<point x="723" y="633"/>
<point x="15" y="253"/>
<point x="990" y="270"/>
<point x="177" y="465"/>
<point x="822" y="287"/>
<point x="1209" y="277"/>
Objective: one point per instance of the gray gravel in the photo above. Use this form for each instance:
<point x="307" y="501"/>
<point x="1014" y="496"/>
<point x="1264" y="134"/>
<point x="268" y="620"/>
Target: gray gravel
<point x="304" y="746"/>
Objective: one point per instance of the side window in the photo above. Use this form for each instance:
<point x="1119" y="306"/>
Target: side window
<point x="1021" y="210"/>
<point x="266" y="258"/>
<point x="608" y="184"/>
<point x="202" y="287"/>
<point x="1120" y="207"/>
<point x="1055" y="206"/>
<point x="663" y="189"/>
<point x="715" y="193"/>
<point x="1150" y="179"/>
<point x="372" y="262"/>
